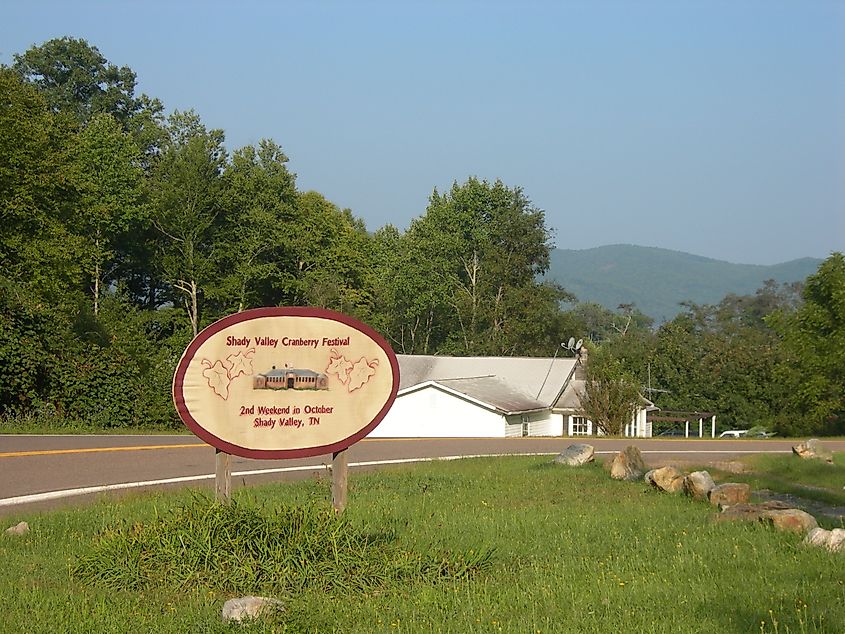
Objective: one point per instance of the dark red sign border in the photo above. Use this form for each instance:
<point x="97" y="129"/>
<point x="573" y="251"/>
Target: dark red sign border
<point x="281" y="311"/>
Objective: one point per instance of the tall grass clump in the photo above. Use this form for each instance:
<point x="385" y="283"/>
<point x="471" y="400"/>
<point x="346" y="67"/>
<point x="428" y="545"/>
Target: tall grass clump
<point x="240" y="548"/>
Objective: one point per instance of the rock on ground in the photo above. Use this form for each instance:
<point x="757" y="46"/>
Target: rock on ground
<point x="791" y="520"/>
<point x="778" y="514"/>
<point x="576" y="455"/>
<point x="813" y="449"/>
<point x="628" y="464"/>
<point x="21" y="528"/>
<point x="698" y="485"/>
<point x="731" y="466"/>
<point x="669" y="479"/>
<point x="245" y="608"/>
<point x="729" y="494"/>
<point x="832" y="540"/>
<point x="750" y="511"/>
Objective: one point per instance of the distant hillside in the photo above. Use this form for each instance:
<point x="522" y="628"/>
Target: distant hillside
<point x="656" y="280"/>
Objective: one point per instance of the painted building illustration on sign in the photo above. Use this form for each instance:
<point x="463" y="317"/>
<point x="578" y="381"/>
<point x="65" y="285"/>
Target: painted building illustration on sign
<point x="290" y="379"/>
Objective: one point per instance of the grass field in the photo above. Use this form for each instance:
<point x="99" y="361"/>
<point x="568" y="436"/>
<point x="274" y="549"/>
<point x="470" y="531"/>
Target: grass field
<point x="569" y="551"/>
<point x="811" y="479"/>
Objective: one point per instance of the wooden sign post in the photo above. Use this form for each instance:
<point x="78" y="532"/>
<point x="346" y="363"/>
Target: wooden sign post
<point x="276" y="383"/>
<point x="222" y="477"/>
<point x="340" y="472"/>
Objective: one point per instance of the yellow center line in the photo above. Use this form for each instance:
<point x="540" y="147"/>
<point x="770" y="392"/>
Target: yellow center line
<point x="55" y="452"/>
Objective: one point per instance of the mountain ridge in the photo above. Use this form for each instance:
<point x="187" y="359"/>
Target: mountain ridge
<point x="656" y="280"/>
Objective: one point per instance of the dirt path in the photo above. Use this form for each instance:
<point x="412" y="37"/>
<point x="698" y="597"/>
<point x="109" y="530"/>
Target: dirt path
<point x="813" y="507"/>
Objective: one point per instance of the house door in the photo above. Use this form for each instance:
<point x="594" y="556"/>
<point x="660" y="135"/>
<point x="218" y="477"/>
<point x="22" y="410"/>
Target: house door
<point x="290" y="383"/>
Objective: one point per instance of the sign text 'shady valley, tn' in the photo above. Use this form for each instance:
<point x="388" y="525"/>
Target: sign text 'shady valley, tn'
<point x="285" y="382"/>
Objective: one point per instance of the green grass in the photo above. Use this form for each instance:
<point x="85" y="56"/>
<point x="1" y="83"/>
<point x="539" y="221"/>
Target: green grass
<point x="812" y="479"/>
<point x="239" y="548"/>
<point x="55" y="424"/>
<point x="572" y="551"/>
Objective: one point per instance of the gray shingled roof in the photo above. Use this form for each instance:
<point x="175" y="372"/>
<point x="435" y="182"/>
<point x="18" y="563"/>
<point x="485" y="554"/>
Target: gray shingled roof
<point x="511" y="384"/>
<point x="286" y="371"/>
<point x="494" y="392"/>
<point x="571" y="397"/>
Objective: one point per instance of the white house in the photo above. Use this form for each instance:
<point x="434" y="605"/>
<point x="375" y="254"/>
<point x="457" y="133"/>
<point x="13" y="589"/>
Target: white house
<point x="490" y="397"/>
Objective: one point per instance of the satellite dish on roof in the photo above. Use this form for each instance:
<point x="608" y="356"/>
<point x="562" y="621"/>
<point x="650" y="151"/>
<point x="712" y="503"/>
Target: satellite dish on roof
<point x="571" y="344"/>
<point x="579" y="344"/>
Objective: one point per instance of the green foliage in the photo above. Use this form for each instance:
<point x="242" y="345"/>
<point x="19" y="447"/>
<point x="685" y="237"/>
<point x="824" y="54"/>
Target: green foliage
<point x="611" y="394"/>
<point x="723" y="358"/>
<point x="108" y="174"/>
<point x="112" y="370"/>
<point x="24" y="342"/>
<point x="75" y="78"/>
<point x="38" y="249"/>
<point x="464" y="278"/>
<point x="253" y="256"/>
<point x="710" y="358"/>
<point x="107" y="201"/>
<point x="185" y="189"/>
<point x="812" y="371"/>
<point x="98" y="384"/>
<point x="240" y="549"/>
<point x="329" y="252"/>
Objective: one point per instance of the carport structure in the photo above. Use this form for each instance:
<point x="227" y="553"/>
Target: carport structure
<point x="671" y="416"/>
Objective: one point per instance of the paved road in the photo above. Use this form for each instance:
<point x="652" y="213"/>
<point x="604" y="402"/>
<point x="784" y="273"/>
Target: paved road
<point x="38" y="472"/>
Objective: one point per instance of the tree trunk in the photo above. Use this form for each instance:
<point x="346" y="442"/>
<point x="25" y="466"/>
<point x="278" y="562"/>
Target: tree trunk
<point x="97" y="289"/>
<point x="189" y="287"/>
<point x="97" y="275"/>
<point x="194" y="308"/>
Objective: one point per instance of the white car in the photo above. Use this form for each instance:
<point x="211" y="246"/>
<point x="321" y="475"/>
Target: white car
<point x="733" y="433"/>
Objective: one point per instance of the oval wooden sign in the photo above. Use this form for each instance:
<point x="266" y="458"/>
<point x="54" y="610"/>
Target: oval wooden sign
<point x="285" y="382"/>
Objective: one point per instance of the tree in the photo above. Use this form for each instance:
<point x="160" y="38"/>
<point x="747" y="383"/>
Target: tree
<point x="470" y="271"/>
<point x="751" y="310"/>
<point x="109" y="178"/>
<point x="411" y="292"/>
<point x="812" y="370"/>
<point x="722" y="358"/>
<point x="185" y="190"/>
<point x="39" y="253"/>
<point x="74" y="77"/>
<point x="260" y="199"/>
<point x="331" y="249"/>
<point x="610" y="397"/>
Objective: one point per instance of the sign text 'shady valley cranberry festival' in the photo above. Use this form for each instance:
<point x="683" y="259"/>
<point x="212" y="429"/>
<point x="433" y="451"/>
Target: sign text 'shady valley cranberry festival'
<point x="287" y="341"/>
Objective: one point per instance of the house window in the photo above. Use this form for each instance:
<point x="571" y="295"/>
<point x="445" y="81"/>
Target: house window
<point x="580" y="426"/>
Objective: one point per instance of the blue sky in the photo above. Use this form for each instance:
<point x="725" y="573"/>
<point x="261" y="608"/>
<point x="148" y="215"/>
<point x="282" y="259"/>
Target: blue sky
<point x="716" y="128"/>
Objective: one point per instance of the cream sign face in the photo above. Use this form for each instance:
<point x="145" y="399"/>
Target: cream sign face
<point x="285" y="382"/>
